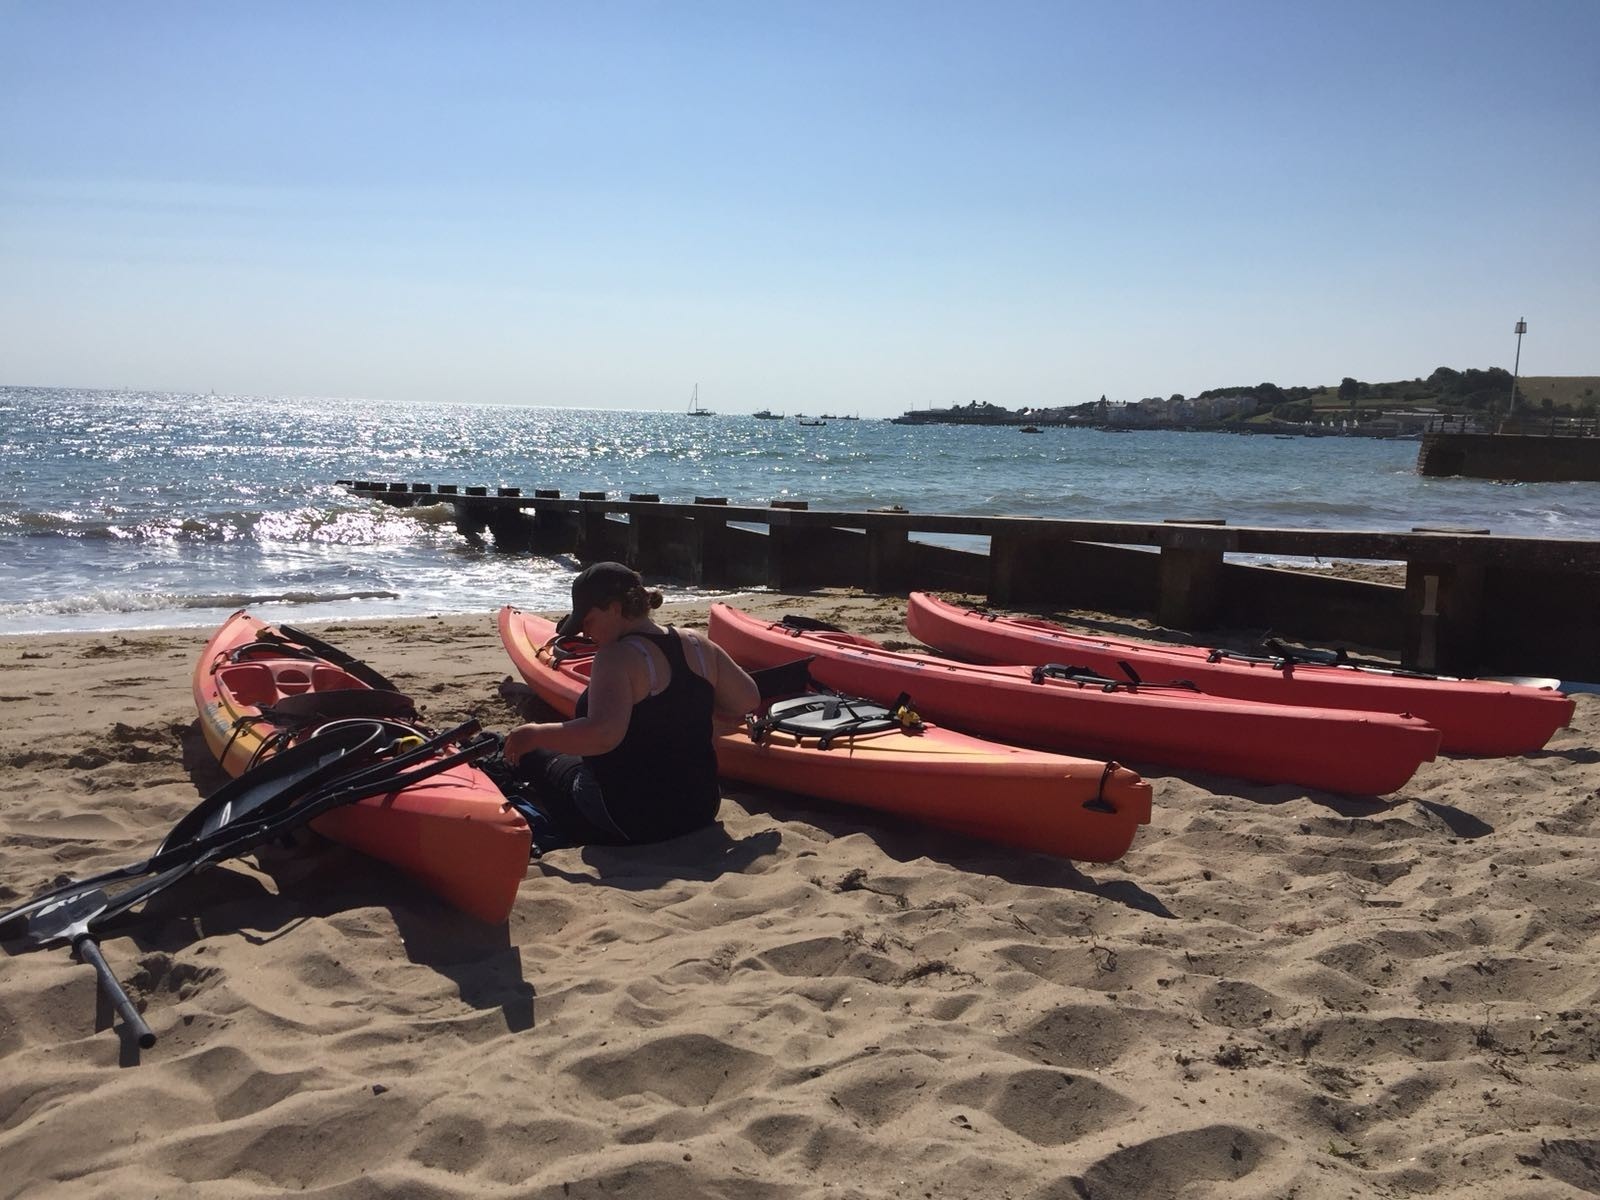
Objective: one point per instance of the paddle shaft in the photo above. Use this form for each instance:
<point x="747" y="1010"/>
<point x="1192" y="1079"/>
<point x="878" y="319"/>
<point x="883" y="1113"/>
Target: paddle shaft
<point x="89" y="951"/>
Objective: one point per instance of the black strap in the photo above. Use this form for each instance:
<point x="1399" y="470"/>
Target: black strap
<point x="563" y="649"/>
<point x="1089" y="677"/>
<point x="1285" y="658"/>
<point x="1100" y="803"/>
<point x="808" y="624"/>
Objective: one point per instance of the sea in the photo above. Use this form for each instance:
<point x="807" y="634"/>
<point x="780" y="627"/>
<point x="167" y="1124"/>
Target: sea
<point x="124" y="510"/>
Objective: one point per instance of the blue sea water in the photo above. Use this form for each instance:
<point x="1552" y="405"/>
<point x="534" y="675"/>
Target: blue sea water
<point x="123" y="510"/>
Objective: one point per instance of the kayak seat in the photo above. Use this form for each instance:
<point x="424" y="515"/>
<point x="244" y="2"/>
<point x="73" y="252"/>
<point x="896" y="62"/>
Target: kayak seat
<point x="259" y="684"/>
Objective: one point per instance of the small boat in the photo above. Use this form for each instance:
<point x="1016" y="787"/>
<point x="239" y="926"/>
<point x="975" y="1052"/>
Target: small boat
<point x="1076" y="712"/>
<point x="766" y="414"/>
<point x="694" y="404"/>
<point x="261" y="688"/>
<point x="1472" y="716"/>
<point x="1030" y="429"/>
<point x="1073" y="807"/>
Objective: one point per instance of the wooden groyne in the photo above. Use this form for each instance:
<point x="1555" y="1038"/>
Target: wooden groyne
<point x="1472" y="603"/>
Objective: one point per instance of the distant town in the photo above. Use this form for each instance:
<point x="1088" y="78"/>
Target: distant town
<point x="1447" y="400"/>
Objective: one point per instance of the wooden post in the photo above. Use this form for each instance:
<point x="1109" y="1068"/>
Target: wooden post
<point x="512" y="529"/>
<point x="471" y="519"/>
<point x="888" y="561"/>
<point x="788" y="549"/>
<point x="554" y="531"/>
<point x="1190" y="573"/>
<point x="591" y="540"/>
<point x="1191" y="588"/>
<point x="708" y="545"/>
<point x="647" y="536"/>
<point x="1014" y="567"/>
<point x="1444" y="617"/>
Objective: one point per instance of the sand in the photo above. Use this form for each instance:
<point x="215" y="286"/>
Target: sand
<point x="1275" y="993"/>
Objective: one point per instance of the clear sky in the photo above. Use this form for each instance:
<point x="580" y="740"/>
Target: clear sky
<point x="825" y="206"/>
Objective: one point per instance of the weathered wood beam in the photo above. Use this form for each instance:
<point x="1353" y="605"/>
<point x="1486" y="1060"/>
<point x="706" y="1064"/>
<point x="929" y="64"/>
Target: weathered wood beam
<point x="1444" y="617"/>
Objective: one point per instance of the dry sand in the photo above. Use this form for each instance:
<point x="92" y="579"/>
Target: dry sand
<point x="1276" y="993"/>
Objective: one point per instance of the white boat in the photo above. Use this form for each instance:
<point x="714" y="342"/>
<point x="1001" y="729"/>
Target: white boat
<point x="694" y="404"/>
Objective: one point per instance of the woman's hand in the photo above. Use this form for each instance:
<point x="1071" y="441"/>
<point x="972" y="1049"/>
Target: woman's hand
<point x="521" y="740"/>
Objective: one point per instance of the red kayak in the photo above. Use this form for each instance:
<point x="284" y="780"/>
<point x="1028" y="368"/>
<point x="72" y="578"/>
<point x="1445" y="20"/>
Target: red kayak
<point x="1472" y="716"/>
<point x="1336" y="750"/>
<point x="1030" y="799"/>
<point x="260" y="687"/>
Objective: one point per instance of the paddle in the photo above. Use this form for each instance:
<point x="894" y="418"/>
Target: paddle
<point x="71" y="919"/>
<point x="214" y="831"/>
<point x="272" y="787"/>
<point x="285" y="641"/>
<point x="337" y="657"/>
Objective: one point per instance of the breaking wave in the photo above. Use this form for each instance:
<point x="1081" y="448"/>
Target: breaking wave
<point x="131" y="601"/>
<point x="345" y="526"/>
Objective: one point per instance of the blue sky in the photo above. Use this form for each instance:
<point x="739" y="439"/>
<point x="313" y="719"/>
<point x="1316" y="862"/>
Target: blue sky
<point x="861" y="207"/>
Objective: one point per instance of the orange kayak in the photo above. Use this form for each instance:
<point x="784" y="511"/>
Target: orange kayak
<point x="1473" y="716"/>
<point x="257" y="690"/>
<point x="1356" y="752"/>
<point x="1033" y="800"/>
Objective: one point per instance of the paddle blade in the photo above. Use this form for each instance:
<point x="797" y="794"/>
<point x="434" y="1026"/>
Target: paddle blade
<point x="68" y="915"/>
<point x="64" y="917"/>
<point x="278" y="783"/>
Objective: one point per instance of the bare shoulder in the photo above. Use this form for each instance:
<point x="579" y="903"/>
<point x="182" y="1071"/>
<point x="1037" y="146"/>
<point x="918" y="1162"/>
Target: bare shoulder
<point x="617" y="656"/>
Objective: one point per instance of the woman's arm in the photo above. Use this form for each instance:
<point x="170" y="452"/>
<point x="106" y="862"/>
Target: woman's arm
<point x="611" y="689"/>
<point x="736" y="693"/>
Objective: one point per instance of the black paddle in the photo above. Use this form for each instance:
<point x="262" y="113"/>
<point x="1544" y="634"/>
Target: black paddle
<point x="368" y="675"/>
<point x="275" y="786"/>
<point x="285" y="641"/>
<point x="71" y="918"/>
<point x="74" y="912"/>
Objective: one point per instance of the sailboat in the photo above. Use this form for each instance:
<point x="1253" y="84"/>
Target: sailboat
<point x="694" y="404"/>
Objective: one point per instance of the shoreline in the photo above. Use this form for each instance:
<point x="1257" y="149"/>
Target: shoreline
<point x="1275" y="991"/>
<point x="1390" y="573"/>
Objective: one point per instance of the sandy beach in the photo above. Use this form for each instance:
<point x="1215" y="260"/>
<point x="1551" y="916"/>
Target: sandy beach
<point x="1275" y="993"/>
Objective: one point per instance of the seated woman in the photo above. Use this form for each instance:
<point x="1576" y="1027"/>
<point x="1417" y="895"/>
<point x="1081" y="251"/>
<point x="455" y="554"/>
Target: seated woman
<point x="636" y="764"/>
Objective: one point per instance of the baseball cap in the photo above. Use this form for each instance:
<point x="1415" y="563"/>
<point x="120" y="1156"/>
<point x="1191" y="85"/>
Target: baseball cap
<point x="596" y="586"/>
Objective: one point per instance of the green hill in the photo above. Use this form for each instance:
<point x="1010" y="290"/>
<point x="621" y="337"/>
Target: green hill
<point x="1577" y="393"/>
<point x="1446" y="389"/>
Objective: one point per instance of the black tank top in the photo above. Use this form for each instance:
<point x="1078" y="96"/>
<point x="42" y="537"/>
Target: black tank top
<point x="661" y="780"/>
